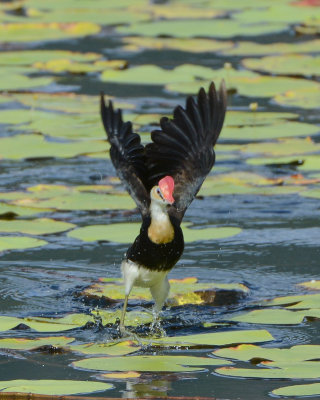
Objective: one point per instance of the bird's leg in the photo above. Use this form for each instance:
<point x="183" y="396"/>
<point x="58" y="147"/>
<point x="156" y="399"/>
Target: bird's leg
<point x="123" y="314"/>
<point x="160" y="293"/>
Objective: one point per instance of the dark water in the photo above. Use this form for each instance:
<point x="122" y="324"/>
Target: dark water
<point x="278" y="248"/>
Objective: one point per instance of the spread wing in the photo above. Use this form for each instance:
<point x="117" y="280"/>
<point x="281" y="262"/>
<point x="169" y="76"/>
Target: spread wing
<point x="127" y="155"/>
<point x="183" y="148"/>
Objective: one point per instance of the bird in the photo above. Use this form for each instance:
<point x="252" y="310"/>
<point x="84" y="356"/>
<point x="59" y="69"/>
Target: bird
<point x="163" y="177"/>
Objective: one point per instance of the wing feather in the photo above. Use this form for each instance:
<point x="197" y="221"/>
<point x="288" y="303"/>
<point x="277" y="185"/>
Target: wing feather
<point x="127" y="155"/>
<point x="183" y="148"/>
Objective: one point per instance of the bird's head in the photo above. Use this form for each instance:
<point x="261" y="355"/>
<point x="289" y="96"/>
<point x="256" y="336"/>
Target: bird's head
<point x="163" y="193"/>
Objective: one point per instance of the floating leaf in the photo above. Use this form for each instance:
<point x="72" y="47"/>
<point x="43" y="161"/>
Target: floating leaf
<point x="140" y="43"/>
<point x="29" y="57"/>
<point x="250" y="352"/>
<point x="259" y="49"/>
<point x="110" y="349"/>
<point x="214" y="339"/>
<point x="27" y="32"/>
<point x="53" y="387"/>
<point x="31" y="344"/>
<point x="277" y="316"/>
<point x="40" y="226"/>
<point x="18" y="81"/>
<point x="148" y="363"/>
<point x="126" y="232"/>
<point x="36" y="146"/>
<point x="312" y="285"/>
<point x="19" y="243"/>
<point x="121" y="375"/>
<point x="302" y="370"/>
<point x="304" y="98"/>
<point x="293" y="64"/>
<point x="312" y="389"/>
<point x="10" y="211"/>
<point x="302" y="162"/>
<point x="219" y="28"/>
<point x="296" y="302"/>
<point x="254" y="118"/>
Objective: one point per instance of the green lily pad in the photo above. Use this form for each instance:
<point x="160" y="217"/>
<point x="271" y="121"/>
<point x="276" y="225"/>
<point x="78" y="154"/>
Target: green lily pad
<point x="219" y="28"/>
<point x="74" y="67"/>
<point x="29" y="57"/>
<point x="312" y="389"/>
<point x="214" y="339"/>
<point x="40" y="226"/>
<point x="277" y="370"/>
<point x="312" y="285"/>
<point x="148" y="363"/>
<point x="10" y="211"/>
<point x="28" y="32"/>
<point x="36" y="146"/>
<point x="301" y="302"/>
<point x="110" y="349"/>
<point x="19" y="243"/>
<point x="293" y="64"/>
<point x="308" y="98"/>
<point x="254" y="118"/>
<point x="140" y="43"/>
<point x="246" y="85"/>
<point x="53" y="387"/>
<point x="277" y="316"/>
<point x="126" y="232"/>
<point x="17" y="81"/>
<point x="302" y="162"/>
<point x="282" y="147"/>
<point x="250" y="352"/>
<point x="32" y="344"/>
<point x="258" y="49"/>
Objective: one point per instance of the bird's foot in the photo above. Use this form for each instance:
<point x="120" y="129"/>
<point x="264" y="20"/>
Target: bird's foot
<point x="156" y="328"/>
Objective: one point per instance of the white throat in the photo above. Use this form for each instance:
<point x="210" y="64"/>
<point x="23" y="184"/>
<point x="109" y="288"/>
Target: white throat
<point x="158" y="212"/>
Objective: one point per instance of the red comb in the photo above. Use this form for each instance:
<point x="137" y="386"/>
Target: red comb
<point x="166" y="186"/>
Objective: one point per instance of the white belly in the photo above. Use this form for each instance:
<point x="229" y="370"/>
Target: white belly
<point x="135" y="275"/>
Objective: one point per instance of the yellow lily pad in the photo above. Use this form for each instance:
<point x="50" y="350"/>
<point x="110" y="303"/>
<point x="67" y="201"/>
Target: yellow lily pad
<point x="121" y="375"/>
<point x="312" y="285"/>
<point x="19" y="243"/>
<point x="40" y="226"/>
<point x="32" y="344"/>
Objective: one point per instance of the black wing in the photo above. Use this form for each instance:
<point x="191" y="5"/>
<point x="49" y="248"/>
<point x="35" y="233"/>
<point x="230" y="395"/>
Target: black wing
<point x="183" y="148"/>
<point x="127" y="155"/>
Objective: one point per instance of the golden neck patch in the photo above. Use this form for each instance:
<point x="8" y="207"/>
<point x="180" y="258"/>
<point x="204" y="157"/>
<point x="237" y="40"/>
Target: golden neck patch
<point x="161" y="232"/>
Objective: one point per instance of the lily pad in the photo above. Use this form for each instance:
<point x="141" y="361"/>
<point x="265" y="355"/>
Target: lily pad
<point x="258" y="49"/>
<point x="32" y="344"/>
<point x="308" y="98"/>
<point x="53" y="387"/>
<point x="110" y="349"/>
<point x="28" y="32"/>
<point x="301" y="302"/>
<point x="140" y="43"/>
<point x="126" y="233"/>
<point x="276" y="370"/>
<point x="219" y="28"/>
<point x="148" y="363"/>
<point x="40" y="226"/>
<point x="277" y="316"/>
<point x="19" y="243"/>
<point x="253" y="353"/>
<point x="312" y="285"/>
<point x="293" y="64"/>
<point x="18" y="81"/>
<point x="302" y="162"/>
<point x="10" y="211"/>
<point x="29" y="57"/>
<point x="254" y="118"/>
<point x="312" y="389"/>
<point x="36" y="146"/>
<point x="214" y="339"/>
